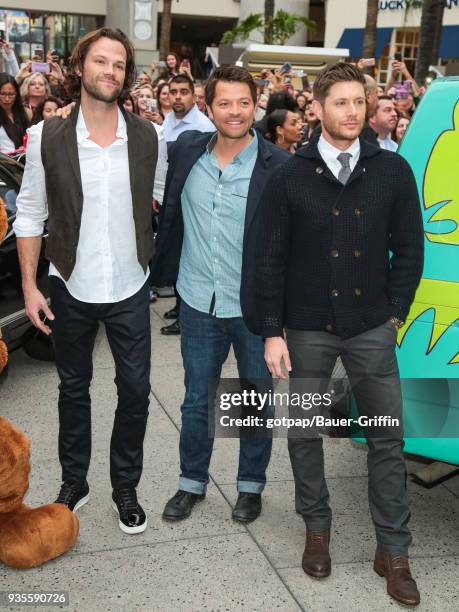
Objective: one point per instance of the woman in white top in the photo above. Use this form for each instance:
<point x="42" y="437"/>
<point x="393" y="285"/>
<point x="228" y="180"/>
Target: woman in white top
<point x="13" y="118"/>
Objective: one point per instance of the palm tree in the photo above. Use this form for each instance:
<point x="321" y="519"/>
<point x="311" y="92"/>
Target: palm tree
<point x="369" y="38"/>
<point x="429" y="37"/>
<point x="269" y="14"/>
<point x="166" y="26"/>
<point x="276" y="31"/>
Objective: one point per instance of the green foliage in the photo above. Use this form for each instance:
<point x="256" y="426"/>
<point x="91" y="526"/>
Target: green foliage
<point x="255" y="21"/>
<point x="276" y="30"/>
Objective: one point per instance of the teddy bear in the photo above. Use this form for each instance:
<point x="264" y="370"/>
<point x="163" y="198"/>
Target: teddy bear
<point x="28" y="536"/>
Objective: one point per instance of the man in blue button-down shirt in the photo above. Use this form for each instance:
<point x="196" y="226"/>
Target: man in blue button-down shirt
<point x="210" y="270"/>
<point x="206" y="239"/>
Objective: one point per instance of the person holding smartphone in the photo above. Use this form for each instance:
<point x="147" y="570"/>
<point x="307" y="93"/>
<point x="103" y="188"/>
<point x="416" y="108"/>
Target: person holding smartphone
<point x="8" y="60"/>
<point x="147" y="105"/>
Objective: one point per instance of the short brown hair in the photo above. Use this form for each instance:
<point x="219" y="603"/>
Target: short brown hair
<point x="230" y="74"/>
<point x="81" y="51"/>
<point x="335" y="73"/>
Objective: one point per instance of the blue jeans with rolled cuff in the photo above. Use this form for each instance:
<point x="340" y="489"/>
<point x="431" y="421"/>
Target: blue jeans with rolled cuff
<point x="205" y="344"/>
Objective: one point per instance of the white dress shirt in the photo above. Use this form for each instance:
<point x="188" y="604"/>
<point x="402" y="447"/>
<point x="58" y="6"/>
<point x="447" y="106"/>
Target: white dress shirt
<point x="107" y="269"/>
<point x="330" y="154"/>
<point x="193" y="120"/>
<point x="161" y="164"/>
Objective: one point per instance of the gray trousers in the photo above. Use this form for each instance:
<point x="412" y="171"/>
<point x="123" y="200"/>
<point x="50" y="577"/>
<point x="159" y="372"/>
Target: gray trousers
<point x="371" y="366"/>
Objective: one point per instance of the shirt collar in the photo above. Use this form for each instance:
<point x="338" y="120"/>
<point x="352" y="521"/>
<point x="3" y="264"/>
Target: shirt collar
<point x="330" y="153"/>
<point x="244" y="155"/>
<point x="83" y="133"/>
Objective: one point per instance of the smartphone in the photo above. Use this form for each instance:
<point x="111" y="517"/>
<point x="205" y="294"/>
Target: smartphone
<point x="40" y="67"/>
<point x="151" y="105"/>
<point x="298" y="73"/>
<point x="286" y="68"/>
<point x="398" y="56"/>
<point x="402" y="90"/>
<point x="369" y="62"/>
<point x="2" y="35"/>
<point x="162" y="64"/>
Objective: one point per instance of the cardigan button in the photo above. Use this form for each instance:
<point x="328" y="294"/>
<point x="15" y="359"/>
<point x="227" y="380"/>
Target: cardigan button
<point x="329" y="327"/>
<point x="357" y="253"/>
<point x="335" y="293"/>
<point x="319" y="170"/>
<point x="357" y="212"/>
<point x="334" y="253"/>
<point x="335" y="211"/>
<point x="358" y="291"/>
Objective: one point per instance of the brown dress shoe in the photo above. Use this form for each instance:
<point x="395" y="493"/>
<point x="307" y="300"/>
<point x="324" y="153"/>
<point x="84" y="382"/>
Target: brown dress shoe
<point x="400" y="583"/>
<point x="316" y="558"/>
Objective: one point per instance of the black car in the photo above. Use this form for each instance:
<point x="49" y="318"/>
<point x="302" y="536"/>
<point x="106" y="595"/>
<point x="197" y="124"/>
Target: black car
<point x="16" y="328"/>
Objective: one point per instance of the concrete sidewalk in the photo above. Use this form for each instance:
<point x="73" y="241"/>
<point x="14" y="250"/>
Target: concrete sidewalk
<point x="209" y="562"/>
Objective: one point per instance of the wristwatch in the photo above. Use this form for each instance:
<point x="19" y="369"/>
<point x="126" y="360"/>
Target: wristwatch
<point x="397" y="323"/>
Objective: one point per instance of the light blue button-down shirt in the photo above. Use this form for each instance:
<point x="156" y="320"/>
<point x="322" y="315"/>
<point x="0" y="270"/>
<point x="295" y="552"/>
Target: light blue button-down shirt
<point x="388" y="144"/>
<point x="213" y="208"/>
<point x="193" y="120"/>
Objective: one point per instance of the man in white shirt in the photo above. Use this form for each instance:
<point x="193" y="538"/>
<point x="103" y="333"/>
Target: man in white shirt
<point x="91" y="175"/>
<point x="383" y="120"/>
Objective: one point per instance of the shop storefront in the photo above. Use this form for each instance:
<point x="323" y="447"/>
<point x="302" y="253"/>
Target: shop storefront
<point x="29" y="32"/>
<point x="398" y="31"/>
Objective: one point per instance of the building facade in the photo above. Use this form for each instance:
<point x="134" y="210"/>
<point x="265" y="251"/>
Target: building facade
<point x="398" y="31"/>
<point x="39" y="25"/>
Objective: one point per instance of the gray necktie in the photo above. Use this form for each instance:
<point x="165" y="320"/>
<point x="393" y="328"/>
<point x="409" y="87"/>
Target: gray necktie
<point x="345" y="171"/>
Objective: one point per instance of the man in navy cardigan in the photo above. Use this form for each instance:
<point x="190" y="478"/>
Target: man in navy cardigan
<point x="206" y="245"/>
<point x="339" y="258"/>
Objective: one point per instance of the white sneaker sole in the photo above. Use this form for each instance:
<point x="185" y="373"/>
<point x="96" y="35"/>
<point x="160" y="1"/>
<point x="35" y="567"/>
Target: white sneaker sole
<point x="129" y="530"/>
<point x="84" y="500"/>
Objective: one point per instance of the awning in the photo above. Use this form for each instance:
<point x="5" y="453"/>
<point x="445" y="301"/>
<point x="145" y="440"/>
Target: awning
<point x="449" y="42"/>
<point x="352" y="39"/>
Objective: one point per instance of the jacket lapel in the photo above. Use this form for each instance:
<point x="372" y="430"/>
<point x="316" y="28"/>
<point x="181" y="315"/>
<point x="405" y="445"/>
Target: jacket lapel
<point x="71" y="144"/>
<point x="181" y="173"/>
<point x="257" y="183"/>
<point x="132" y="150"/>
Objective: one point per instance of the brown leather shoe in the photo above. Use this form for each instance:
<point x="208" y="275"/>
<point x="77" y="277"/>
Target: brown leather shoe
<point x="316" y="558"/>
<point x="400" y="583"/>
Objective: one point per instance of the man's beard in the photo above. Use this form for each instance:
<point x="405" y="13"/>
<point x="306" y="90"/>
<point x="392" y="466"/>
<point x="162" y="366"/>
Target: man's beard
<point x="338" y="135"/>
<point x="96" y="92"/>
<point x="181" y="111"/>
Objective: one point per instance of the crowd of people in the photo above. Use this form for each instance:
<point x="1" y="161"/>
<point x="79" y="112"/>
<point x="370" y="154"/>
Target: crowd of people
<point x="291" y="232"/>
<point x="284" y="116"/>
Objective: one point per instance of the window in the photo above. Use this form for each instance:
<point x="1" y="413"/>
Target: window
<point x="404" y="41"/>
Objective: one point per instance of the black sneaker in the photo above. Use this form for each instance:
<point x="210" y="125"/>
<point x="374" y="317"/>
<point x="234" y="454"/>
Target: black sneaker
<point x="132" y="518"/>
<point x="73" y="494"/>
